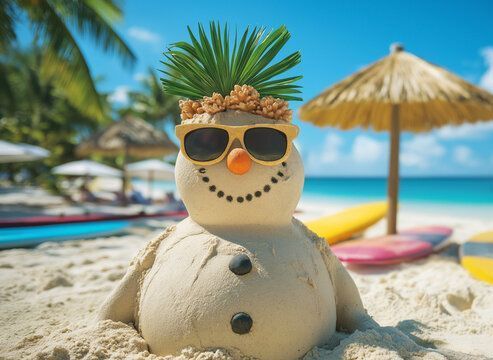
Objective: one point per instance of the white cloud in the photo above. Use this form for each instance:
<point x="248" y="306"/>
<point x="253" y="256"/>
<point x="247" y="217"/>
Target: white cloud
<point x="420" y="151"/>
<point x="486" y="80"/>
<point x="366" y="149"/>
<point x="463" y="155"/>
<point x="120" y="95"/>
<point x="140" y="76"/>
<point x="465" y="131"/>
<point x="335" y="156"/>
<point x="143" y="35"/>
<point x="331" y="151"/>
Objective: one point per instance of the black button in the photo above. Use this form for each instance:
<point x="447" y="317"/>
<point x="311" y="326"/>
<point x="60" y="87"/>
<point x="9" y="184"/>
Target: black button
<point x="241" y="323"/>
<point x="240" y="264"/>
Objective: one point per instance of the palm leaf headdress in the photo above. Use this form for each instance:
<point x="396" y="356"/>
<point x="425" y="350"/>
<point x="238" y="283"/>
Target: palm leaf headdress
<point x="207" y="64"/>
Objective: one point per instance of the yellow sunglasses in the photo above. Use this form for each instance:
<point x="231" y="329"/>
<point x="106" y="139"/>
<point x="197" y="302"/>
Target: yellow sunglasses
<point x="208" y="144"/>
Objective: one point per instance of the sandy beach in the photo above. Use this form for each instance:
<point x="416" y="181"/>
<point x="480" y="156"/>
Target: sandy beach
<point x="120" y="118"/>
<point x="49" y="296"/>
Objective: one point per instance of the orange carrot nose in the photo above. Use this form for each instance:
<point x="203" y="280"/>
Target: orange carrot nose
<point x="238" y="161"/>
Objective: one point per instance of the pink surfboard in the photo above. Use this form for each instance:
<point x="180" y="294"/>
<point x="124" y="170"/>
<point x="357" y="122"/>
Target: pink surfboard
<point x="69" y="219"/>
<point x="392" y="249"/>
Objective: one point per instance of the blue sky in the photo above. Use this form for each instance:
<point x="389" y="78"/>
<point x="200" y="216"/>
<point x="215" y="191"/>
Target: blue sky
<point x="337" y="38"/>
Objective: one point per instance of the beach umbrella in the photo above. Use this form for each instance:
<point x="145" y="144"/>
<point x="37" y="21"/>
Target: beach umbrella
<point x="400" y="92"/>
<point x="10" y="152"/>
<point x="86" y="168"/>
<point x="129" y="136"/>
<point x="151" y="170"/>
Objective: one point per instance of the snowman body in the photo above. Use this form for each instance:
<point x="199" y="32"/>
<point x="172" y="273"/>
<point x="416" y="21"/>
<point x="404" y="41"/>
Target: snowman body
<point x="190" y="295"/>
<point x="185" y="289"/>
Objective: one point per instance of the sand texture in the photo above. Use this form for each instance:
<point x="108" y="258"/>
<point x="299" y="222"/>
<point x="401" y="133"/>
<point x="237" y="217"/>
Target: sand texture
<point x="49" y="297"/>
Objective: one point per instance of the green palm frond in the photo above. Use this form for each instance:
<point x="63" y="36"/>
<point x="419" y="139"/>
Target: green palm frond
<point x="152" y="103"/>
<point x="95" y="18"/>
<point x="207" y="64"/>
<point x="7" y="97"/>
<point x="7" y="24"/>
<point x="54" y="22"/>
<point x="70" y="68"/>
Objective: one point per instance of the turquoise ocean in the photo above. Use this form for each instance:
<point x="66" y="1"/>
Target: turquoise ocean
<point x="457" y="196"/>
<point x="465" y="196"/>
<point x="446" y="191"/>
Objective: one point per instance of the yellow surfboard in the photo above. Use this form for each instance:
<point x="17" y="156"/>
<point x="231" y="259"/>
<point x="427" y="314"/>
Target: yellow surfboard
<point x="347" y="223"/>
<point x="477" y="256"/>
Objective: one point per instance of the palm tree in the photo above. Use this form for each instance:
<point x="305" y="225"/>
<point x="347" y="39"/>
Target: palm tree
<point x="40" y="112"/>
<point x="53" y="23"/>
<point x="152" y="104"/>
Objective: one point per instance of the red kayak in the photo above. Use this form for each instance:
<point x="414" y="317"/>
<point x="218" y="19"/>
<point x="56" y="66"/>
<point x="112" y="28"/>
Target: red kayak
<point x="67" y="219"/>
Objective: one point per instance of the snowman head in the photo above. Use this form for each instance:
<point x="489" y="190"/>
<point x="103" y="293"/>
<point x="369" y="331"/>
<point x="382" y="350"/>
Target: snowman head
<point x="237" y="164"/>
<point x="238" y="169"/>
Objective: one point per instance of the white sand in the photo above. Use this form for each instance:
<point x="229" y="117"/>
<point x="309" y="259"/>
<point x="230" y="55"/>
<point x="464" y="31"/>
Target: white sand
<point x="49" y="296"/>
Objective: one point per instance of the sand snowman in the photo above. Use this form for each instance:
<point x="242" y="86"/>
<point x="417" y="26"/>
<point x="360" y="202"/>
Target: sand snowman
<point x="240" y="273"/>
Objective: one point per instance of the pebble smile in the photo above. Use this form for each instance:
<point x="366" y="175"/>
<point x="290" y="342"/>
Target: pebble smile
<point x="248" y="197"/>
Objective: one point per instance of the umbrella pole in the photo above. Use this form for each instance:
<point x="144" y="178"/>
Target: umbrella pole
<point x="393" y="181"/>
<point x="150" y="181"/>
<point x="124" y="178"/>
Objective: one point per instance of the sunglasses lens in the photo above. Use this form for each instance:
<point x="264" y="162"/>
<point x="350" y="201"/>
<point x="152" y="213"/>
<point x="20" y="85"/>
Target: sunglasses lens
<point x="206" y="144"/>
<point x="265" y="144"/>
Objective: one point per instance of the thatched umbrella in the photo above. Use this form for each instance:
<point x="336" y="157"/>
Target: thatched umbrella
<point x="129" y="136"/>
<point x="400" y="92"/>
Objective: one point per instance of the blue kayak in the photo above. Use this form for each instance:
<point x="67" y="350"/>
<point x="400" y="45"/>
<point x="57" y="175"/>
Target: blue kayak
<point x="34" y="235"/>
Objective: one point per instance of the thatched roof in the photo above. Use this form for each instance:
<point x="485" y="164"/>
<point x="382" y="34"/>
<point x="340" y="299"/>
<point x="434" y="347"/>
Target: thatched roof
<point x="427" y="97"/>
<point x="130" y="135"/>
